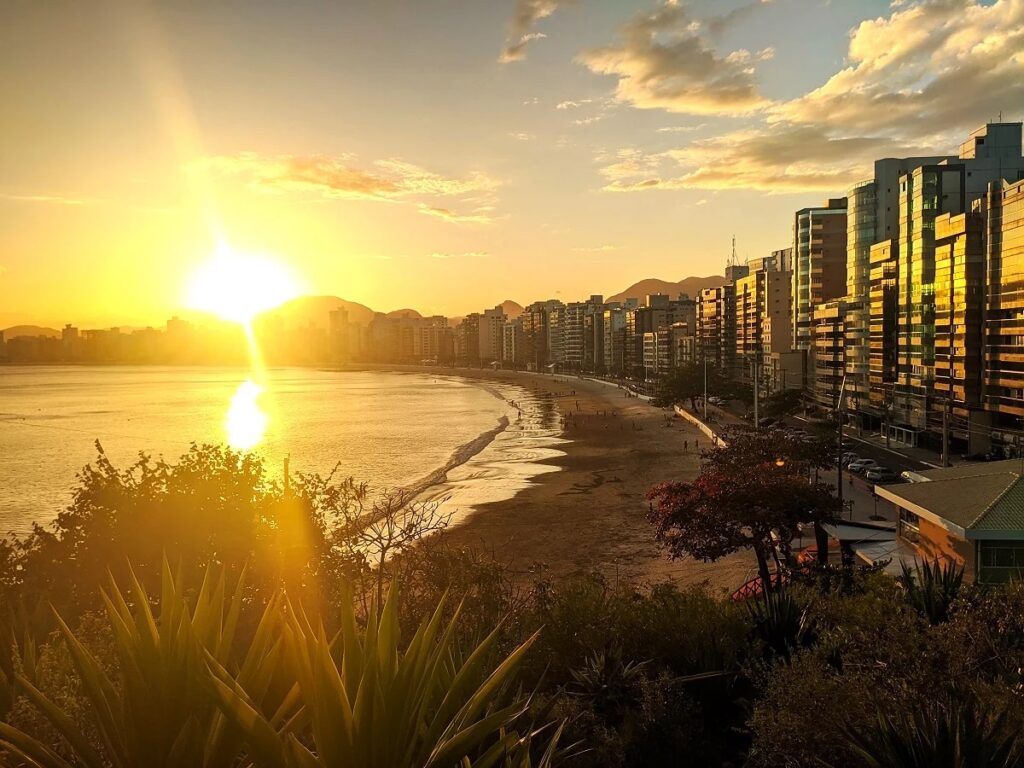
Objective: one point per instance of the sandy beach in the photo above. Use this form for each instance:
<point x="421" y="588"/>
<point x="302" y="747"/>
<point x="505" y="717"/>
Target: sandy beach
<point x="591" y="515"/>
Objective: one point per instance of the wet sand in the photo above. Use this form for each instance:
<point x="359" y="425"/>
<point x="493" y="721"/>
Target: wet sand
<point x="591" y="516"/>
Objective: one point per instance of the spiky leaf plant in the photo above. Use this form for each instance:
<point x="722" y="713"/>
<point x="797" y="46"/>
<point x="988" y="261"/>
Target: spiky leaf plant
<point x="159" y="710"/>
<point x="370" y="704"/>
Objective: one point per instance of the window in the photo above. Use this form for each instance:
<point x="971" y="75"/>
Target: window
<point x="909" y="525"/>
<point x="1000" y="561"/>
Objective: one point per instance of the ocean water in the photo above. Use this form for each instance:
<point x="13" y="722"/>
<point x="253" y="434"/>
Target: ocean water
<point x="454" y="440"/>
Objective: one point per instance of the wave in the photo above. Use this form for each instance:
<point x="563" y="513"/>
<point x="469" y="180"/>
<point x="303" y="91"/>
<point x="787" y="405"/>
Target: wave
<point x="459" y="456"/>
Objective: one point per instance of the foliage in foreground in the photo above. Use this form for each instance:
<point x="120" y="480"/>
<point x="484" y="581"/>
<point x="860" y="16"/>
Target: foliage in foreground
<point x="180" y="698"/>
<point x="216" y="669"/>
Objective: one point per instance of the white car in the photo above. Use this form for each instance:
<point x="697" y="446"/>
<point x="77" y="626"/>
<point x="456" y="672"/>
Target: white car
<point x="859" y="467"/>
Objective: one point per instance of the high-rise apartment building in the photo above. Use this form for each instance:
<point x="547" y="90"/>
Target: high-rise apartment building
<point x="819" y="263"/>
<point x="991" y="154"/>
<point x="872" y="217"/>
<point x="613" y="330"/>
<point x="1003" y="378"/>
<point x="536" y="337"/>
<point x="882" y="304"/>
<point x="491" y="323"/>
<point x="827" y="357"/>
<point x="762" y="311"/>
<point x="716" y="327"/>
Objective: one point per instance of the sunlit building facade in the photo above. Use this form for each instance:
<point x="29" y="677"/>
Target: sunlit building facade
<point x="819" y="263"/>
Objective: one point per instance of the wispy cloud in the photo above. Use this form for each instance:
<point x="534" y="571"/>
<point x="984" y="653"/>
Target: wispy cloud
<point x="521" y="28"/>
<point x="716" y="25"/>
<point x="454" y="217"/>
<point x="681" y="128"/>
<point x="522" y="136"/>
<point x="48" y="199"/>
<point x="467" y="255"/>
<point x="596" y="249"/>
<point x="572" y="104"/>
<point x="341" y="177"/>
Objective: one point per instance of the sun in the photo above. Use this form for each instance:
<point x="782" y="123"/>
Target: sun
<point x="237" y="287"/>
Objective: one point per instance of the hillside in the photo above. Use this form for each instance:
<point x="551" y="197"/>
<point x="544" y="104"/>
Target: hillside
<point x="690" y="285"/>
<point x="29" y="330"/>
<point x="316" y="310"/>
<point x="512" y="309"/>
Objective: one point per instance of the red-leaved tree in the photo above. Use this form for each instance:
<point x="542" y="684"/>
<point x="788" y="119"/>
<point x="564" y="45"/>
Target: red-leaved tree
<point x="753" y="493"/>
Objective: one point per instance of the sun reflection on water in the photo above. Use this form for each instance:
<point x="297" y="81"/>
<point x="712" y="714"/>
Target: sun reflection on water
<point x="246" y="420"/>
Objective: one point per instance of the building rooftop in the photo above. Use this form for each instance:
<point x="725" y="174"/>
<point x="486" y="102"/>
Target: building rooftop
<point x="979" y="498"/>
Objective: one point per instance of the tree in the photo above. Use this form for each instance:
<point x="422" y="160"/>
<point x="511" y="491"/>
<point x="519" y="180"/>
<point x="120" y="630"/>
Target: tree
<point x="782" y="403"/>
<point x="752" y="493"/>
<point x="687" y="383"/>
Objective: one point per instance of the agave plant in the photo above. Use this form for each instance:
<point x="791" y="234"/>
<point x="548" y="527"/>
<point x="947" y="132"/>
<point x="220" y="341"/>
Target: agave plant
<point x="946" y="733"/>
<point x="606" y="681"/>
<point x="931" y="588"/>
<point x="781" y="623"/>
<point x="158" y="711"/>
<point x="368" y="704"/>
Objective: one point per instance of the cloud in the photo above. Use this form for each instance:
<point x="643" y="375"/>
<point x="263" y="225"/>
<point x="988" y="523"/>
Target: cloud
<point x="340" y="177"/>
<point x="596" y="249"/>
<point x="531" y="101"/>
<point x="572" y="104"/>
<point x="915" y="81"/>
<point x="527" y="13"/>
<point x="927" y="69"/>
<point x="522" y="136"/>
<point x="453" y="217"/>
<point x="775" y="161"/>
<point x="663" y="62"/>
<point x="468" y="255"/>
<point x="681" y="128"/>
<point x="716" y="25"/>
<point x="51" y="199"/>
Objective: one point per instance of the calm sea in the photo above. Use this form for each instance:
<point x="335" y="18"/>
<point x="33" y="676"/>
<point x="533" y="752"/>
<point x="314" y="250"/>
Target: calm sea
<point x="441" y="435"/>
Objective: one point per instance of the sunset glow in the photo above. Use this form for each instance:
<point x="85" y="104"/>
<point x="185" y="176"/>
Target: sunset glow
<point x="246" y="420"/>
<point x="237" y="287"/>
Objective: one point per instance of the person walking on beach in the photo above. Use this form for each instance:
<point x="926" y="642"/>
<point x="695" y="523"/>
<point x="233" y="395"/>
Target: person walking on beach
<point x="686" y="446"/>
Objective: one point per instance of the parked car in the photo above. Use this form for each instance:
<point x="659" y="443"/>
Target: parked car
<point x="913" y="477"/>
<point x="981" y="456"/>
<point x="882" y="475"/>
<point x="848" y="457"/>
<point x="862" y="466"/>
<point x="716" y="400"/>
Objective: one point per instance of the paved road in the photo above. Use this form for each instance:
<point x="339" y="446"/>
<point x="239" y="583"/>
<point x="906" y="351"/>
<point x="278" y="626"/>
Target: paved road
<point x="866" y="449"/>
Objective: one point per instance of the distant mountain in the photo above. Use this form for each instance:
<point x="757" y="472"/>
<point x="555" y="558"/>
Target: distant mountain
<point x="690" y="285"/>
<point x="316" y="311"/>
<point x="29" y="330"/>
<point x="512" y="309"/>
<point x="406" y="313"/>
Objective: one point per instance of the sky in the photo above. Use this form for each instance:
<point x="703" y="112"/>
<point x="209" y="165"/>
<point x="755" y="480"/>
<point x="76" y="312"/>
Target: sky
<point x="449" y="154"/>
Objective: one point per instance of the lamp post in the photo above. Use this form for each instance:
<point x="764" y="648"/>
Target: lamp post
<point x="839" y="439"/>
<point x="705" y="401"/>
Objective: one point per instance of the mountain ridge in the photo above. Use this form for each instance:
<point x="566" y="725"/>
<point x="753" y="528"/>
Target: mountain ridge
<point x="691" y="286"/>
<point x="314" y="310"/>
